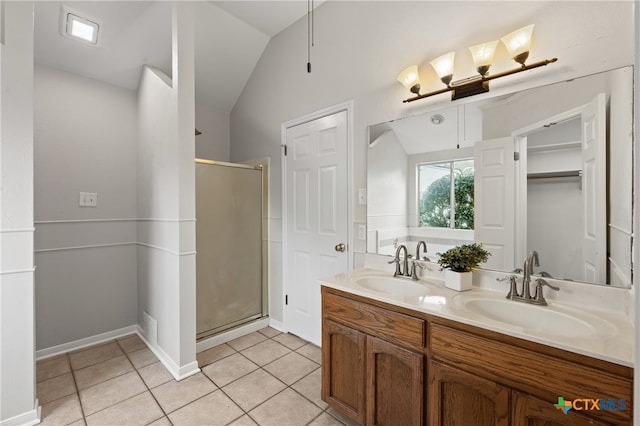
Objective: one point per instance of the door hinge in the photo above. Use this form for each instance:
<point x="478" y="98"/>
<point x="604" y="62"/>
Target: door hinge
<point x="285" y="149"/>
<point x="516" y="156"/>
<point x="286" y="299"/>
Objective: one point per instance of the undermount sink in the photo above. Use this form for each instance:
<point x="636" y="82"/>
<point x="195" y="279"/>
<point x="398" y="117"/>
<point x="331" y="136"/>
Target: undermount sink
<point x="549" y="320"/>
<point x="393" y="286"/>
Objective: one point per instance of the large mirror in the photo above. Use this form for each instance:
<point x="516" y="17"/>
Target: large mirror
<point x="547" y="169"/>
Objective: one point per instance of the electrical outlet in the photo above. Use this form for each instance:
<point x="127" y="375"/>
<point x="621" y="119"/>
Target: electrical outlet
<point x="88" y="199"/>
<point x="362" y="232"/>
<point x="362" y="196"/>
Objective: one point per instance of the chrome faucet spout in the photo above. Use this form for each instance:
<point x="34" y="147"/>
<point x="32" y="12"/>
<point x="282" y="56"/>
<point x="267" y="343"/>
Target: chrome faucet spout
<point x="404" y="270"/>
<point x="531" y="261"/>
<point x="422" y="244"/>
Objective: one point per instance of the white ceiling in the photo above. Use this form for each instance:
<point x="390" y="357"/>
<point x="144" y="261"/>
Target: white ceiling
<point x="230" y="37"/>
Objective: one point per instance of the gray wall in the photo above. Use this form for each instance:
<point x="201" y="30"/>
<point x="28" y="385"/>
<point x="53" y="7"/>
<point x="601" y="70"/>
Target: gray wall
<point x="85" y="135"/>
<point x="360" y="47"/>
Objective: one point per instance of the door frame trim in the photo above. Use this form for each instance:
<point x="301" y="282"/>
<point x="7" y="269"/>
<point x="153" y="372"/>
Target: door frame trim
<point x="520" y="140"/>
<point x="345" y="106"/>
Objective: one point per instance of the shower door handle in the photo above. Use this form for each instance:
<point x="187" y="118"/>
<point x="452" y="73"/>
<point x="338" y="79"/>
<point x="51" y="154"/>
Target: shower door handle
<point x="340" y="247"/>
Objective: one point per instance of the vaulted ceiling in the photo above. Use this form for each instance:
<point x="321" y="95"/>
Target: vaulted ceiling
<point x="230" y="37"/>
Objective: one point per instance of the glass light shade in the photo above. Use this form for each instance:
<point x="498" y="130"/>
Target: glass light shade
<point x="483" y="55"/>
<point x="409" y="77"/>
<point x="444" y="67"/>
<point x="518" y="43"/>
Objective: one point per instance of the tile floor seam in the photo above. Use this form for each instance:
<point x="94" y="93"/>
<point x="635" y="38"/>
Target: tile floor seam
<point x="273" y="360"/>
<point x="301" y="354"/>
<point x="84" y="417"/>
<point x="315" y="418"/>
<point x="144" y="383"/>
<point x="250" y="346"/>
<point x="88" y="349"/>
<point x="244" y="412"/>
<point x="233" y="381"/>
<point x="99" y="383"/>
<point x="191" y="402"/>
<point x="312" y="403"/>
<point x="299" y="393"/>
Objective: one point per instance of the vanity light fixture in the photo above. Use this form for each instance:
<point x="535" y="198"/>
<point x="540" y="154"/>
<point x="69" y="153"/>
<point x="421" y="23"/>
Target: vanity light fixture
<point x="410" y="79"/>
<point x="517" y="43"/>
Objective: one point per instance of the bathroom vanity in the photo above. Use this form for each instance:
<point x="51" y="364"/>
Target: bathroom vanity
<point x="402" y="352"/>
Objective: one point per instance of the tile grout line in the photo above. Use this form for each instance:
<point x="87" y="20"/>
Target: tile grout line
<point x="75" y="383"/>
<point x="145" y="384"/>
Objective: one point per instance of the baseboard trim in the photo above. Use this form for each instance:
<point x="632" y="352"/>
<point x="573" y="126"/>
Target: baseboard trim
<point x="278" y="325"/>
<point x="178" y="373"/>
<point x="221" y="338"/>
<point x="29" y="418"/>
<point x="87" y="341"/>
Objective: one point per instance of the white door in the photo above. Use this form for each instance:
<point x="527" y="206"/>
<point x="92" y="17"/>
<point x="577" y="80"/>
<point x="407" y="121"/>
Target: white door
<point x="494" y="196"/>
<point x="316" y="217"/>
<point x="594" y="202"/>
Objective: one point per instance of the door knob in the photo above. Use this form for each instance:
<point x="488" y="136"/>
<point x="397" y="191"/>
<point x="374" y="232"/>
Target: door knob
<point x="340" y="247"/>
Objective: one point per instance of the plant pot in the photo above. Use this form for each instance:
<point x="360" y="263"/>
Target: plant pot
<point x="459" y="281"/>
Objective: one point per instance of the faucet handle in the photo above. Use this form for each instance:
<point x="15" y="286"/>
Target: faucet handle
<point x="506" y="278"/>
<point x="539" y="296"/>
<point x="513" y="288"/>
<point x="397" y="262"/>
<point x="414" y="269"/>
<point x="542" y="283"/>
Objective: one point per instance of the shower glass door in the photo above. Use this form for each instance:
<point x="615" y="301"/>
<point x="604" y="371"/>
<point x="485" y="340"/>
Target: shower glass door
<point x="229" y="285"/>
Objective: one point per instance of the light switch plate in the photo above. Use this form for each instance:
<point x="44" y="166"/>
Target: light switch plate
<point x="362" y="196"/>
<point x="88" y="199"/>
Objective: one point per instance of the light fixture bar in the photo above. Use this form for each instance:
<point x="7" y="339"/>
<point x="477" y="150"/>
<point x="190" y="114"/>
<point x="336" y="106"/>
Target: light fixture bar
<point x="480" y="84"/>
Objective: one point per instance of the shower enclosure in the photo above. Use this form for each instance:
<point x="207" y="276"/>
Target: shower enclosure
<point x="230" y="289"/>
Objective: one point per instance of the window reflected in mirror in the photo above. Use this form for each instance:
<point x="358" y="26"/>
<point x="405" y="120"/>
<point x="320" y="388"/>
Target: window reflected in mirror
<point x="445" y="194"/>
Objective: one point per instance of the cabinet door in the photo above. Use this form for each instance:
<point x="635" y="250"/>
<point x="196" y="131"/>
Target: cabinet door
<point x="343" y="369"/>
<point x="457" y="398"/>
<point x="531" y="411"/>
<point x="394" y="384"/>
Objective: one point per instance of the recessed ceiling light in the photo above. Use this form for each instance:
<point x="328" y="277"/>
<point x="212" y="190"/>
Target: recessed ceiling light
<point x="78" y="28"/>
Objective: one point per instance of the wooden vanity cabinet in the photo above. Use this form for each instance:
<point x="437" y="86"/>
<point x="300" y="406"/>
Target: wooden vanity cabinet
<point x="387" y="365"/>
<point x="457" y="398"/>
<point x="343" y="369"/>
<point x="394" y="391"/>
<point x="373" y="362"/>
<point x="531" y="411"/>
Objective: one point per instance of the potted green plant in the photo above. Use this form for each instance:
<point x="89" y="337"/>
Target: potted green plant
<point x="458" y="262"/>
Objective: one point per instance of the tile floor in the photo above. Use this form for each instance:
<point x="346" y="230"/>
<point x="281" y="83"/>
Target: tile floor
<point x="263" y="378"/>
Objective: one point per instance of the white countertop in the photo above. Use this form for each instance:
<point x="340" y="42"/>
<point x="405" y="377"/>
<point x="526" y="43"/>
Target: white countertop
<point x="614" y="343"/>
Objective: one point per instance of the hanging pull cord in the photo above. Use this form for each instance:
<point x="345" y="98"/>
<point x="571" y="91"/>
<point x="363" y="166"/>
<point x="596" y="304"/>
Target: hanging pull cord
<point x="310" y="33"/>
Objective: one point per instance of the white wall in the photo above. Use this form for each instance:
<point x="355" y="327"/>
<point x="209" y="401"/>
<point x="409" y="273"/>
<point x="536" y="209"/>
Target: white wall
<point x="166" y="202"/>
<point x="387" y="188"/>
<point x="213" y="143"/>
<point x="85" y="139"/>
<point x="17" y="342"/>
<point x="360" y="47"/>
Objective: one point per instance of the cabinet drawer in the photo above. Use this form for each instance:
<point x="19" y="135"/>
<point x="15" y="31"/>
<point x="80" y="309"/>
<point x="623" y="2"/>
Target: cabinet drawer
<point x="395" y="327"/>
<point x="536" y="373"/>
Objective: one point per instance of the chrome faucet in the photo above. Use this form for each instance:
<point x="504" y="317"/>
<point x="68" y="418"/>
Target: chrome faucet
<point x="421" y="243"/>
<point x="404" y="270"/>
<point x="527" y="271"/>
